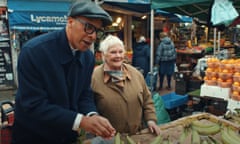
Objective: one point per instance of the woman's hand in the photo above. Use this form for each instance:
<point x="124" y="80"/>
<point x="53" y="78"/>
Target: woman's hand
<point x="153" y="127"/>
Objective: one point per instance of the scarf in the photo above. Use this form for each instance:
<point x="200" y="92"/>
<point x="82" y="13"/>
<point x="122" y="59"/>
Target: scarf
<point x="117" y="77"/>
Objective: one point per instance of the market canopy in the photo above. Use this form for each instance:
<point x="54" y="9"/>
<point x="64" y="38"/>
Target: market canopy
<point x="51" y="14"/>
<point x="144" y="7"/>
<point x="37" y="15"/>
<point x="194" y="8"/>
<point x="132" y="7"/>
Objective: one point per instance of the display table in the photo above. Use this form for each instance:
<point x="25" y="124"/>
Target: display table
<point x="215" y="91"/>
<point x="202" y="103"/>
<point x="188" y="56"/>
<point x="221" y="94"/>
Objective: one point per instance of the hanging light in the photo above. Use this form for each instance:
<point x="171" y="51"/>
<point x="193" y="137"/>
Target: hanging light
<point x="119" y="19"/>
<point x="144" y="17"/>
<point x="114" y="24"/>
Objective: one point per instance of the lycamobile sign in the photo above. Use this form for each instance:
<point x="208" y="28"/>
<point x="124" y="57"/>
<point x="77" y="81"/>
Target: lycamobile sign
<point x="58" y="20"/>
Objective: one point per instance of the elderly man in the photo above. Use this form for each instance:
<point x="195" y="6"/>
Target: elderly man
<point x="54" y="99"/>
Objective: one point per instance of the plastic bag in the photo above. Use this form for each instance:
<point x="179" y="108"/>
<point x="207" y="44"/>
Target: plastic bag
<point x="6" y="122"/>
<point x="162" y="114"/>
<point x="223" y="12"/>
<point x="151" y="79"/>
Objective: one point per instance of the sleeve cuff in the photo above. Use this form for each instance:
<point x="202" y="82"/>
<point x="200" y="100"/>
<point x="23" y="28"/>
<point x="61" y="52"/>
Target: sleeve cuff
<point x="150" y="122"/>
<point x="77" y="122"/>
<point x="92" y="113"/>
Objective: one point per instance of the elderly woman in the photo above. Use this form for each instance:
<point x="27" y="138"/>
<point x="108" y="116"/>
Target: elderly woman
<point x="120" y="91"/>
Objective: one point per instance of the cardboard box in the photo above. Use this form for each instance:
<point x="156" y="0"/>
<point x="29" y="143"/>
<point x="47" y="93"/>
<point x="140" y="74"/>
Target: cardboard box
<point x="215" y="91"/>
<point x="207" y="90"/>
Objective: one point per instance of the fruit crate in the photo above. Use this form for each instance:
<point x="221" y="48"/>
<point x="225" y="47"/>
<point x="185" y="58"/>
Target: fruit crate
<point x="173" y="100"/>
<point x="173" y="129"/>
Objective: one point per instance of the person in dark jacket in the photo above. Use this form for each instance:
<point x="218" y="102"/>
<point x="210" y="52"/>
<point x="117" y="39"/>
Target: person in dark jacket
<point x="54" y="100"/>
<point x="141" y="55"/>
<point x="165" y="58"/>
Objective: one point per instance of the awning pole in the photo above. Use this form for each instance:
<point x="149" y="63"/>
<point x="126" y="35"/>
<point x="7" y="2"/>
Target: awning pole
<point x="219" y="40"/>
<point x="151" y="49"/>
<point x="152" y="38"/>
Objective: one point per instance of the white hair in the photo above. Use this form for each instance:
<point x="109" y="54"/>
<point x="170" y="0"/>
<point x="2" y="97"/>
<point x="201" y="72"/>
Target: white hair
<point x="142" y="39"/>
<point x="110" y="41"/>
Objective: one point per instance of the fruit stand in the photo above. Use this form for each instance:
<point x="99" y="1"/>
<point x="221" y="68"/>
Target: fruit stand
<point x="196" y="128"/>
<point x="222" y="80"/>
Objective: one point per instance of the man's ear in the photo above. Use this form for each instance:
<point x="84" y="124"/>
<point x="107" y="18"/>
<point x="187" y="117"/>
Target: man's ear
<point x="70" y="22"/>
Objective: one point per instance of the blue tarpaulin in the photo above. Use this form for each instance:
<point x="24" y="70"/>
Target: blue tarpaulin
<point x="174" y="17"/>
<point x="37" y="15"/>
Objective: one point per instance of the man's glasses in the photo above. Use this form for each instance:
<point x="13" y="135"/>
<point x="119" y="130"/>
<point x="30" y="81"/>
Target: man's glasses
<point x="90" y="29"/>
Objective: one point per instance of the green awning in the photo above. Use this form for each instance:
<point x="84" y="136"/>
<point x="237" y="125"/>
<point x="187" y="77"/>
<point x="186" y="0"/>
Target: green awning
<point x="159" y="4"/>
<point x="194" y="8"/>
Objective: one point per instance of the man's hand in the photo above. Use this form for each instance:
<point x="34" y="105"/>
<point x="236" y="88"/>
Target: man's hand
<point x="98" y="125"/>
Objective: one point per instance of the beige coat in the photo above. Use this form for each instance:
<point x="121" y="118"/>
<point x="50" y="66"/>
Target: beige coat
<point x="125" y="107"/>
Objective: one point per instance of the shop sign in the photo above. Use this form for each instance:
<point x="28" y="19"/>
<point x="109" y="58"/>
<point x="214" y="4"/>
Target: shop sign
<point x="37" y="20"/>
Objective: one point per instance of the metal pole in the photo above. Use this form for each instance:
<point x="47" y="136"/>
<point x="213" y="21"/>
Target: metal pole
<point x="219" y="40"/>
<point x="214" y="41"/>
<point x="152" y="38"/>
<point x="152" y="48"/>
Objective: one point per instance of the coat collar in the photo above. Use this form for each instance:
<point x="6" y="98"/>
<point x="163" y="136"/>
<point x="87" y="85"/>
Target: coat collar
<point x="106" y="77"/>
<point x="66" y="53"/>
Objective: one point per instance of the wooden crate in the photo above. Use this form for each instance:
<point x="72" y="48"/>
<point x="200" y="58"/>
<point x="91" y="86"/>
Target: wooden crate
<point x="175" y="128"/>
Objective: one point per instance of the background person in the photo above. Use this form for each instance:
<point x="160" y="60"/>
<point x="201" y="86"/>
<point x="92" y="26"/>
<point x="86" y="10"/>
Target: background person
<point x="165" y="58"/>
<point x="141" y="55"/>
<point x="120" y="91"/>
<point x="54" y="99"/>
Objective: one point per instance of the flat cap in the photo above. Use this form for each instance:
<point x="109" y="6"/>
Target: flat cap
<point x="89" y="9"/>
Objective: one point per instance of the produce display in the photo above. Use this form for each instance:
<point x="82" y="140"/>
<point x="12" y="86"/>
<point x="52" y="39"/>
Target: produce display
<point x="225" y="74"/>
<point x="203" y="128"/>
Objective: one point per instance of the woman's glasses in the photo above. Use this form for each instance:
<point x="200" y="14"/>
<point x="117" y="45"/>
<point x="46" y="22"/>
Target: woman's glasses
<point x="90" y="29"/>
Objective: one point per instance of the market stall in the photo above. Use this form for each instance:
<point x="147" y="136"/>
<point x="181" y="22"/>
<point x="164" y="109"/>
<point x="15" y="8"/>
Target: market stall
<point x="197" y="128"/>
<point x="6" y="69"/>
<point x="194" y="49"/>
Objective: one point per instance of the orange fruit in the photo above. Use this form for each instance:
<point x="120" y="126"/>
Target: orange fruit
<point x="237" y="73"/>
<point x="236" y="83"/>
<point x="229" y="80"/>
<point x="209" y="70"/>
<point x="224" y="61"/>
<point x="205" y="78"/>
<point x="225" y="70"/>
<point x="235" y="93"/>
<point x="214" y="78"/>
<point x="219" y="80"/>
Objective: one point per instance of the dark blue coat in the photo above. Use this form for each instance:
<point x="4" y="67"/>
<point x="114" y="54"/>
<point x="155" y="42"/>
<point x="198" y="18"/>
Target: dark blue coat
<point x="141" y="57"/>
<point x="45" y="112"/>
